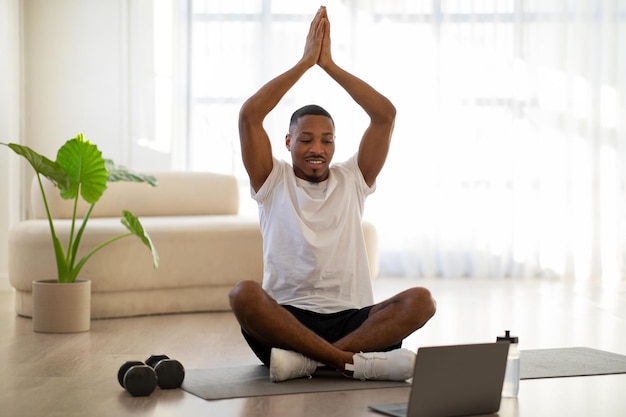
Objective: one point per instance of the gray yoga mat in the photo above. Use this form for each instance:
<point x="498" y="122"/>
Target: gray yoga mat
<point x="253" y="380"/>
<point x="564" y="362"/>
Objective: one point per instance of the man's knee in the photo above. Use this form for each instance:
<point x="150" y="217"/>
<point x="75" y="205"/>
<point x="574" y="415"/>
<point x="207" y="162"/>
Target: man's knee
<point x="243" y="293"/>
<point x="422" y="303"/>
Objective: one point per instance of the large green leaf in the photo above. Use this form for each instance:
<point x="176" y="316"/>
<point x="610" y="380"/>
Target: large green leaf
<point x="85" y="168"/>
<point x="133" y="224"/>
<point x="121" y="173"/>
<point x="42" y="165"/>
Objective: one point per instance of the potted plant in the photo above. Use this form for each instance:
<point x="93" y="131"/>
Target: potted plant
<point x="79" y="171"/>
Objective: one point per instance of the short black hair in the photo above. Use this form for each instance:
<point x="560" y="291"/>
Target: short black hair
<point x="312" y="109"/>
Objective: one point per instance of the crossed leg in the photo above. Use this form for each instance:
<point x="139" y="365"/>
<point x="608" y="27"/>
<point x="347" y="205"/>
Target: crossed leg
<point x="388" y="323"/>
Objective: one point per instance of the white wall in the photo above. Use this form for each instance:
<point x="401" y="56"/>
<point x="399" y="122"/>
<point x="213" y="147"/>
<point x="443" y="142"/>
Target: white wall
<point x="75" y="73"/>
<point x="9" y="126"/>
<point x="70" y="59"/>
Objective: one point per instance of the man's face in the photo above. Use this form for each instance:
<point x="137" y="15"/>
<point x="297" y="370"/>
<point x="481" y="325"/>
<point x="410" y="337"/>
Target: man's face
<point x="312" y="145"/>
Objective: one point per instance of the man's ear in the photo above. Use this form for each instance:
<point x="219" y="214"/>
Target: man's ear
<point x="288" y="141"/>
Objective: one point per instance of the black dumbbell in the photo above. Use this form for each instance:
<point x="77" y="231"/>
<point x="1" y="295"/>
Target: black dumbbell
<point x="169" y="372"/>
<point x="137" y="378"/>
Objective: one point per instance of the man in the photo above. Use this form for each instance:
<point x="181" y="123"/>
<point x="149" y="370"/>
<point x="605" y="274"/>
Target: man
<point x="315" y="305"/>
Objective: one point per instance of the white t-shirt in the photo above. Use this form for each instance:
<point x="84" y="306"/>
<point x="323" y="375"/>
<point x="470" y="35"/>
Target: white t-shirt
<point x="313" y="246"/>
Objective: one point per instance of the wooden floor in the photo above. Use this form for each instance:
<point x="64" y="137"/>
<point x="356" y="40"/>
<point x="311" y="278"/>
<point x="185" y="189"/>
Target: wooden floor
<point x="76" y="374"/>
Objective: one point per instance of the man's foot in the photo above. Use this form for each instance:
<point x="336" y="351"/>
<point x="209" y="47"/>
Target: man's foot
<point x="396" y="365"/>
<point x="286" y="364"/>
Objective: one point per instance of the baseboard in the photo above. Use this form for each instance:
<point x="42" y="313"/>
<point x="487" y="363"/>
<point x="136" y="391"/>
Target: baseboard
<point x="117" y="304"/>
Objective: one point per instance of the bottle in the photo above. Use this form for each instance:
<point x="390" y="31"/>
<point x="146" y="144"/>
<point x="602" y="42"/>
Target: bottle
<point x="511" y="376"/>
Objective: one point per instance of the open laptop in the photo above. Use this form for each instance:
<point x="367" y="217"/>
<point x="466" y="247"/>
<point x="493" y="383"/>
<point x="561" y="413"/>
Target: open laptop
<point x="451" y="381"/>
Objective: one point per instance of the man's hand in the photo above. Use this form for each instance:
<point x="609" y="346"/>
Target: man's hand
<point x="314" y="39"/>
<point x="325" y="57"/>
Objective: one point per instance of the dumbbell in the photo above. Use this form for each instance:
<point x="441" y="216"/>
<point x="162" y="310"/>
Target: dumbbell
<point x="141" y="379"/>
<point x="170" y="373"/>
<point x="137" y="378"/>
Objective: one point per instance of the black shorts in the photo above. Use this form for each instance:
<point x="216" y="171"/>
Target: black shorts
<point x="330" y="327"/>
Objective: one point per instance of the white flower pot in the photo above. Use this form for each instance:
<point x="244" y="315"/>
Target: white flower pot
<point x="61" y="308"/>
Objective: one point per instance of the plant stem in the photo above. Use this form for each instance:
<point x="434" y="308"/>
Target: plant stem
<point x="70" y="257"/>
<point x="76" y="270"/>
<point x="62" y="271"/>
<point x="73" y="250"/>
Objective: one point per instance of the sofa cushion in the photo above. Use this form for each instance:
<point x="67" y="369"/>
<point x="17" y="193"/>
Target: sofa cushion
<point x="193" y="251"/>
<point x="177" y="194"/>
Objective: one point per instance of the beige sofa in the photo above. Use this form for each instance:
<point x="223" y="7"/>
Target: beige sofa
<point x="205" y="246"/>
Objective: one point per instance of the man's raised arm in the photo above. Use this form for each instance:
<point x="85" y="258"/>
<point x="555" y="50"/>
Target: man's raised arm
<point x="382" y="113"/>
<point x="255" y="144"/>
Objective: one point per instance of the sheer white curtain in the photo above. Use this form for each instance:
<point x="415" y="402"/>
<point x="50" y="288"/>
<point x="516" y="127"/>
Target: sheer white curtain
<point x="528" y="161"/>
<point x="509" y="151"/>
<point x="512" y="157"/>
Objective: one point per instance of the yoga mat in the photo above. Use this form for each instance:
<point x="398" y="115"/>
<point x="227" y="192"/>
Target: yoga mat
<point x="565" y="362"/>
<point x="253" y="380"/>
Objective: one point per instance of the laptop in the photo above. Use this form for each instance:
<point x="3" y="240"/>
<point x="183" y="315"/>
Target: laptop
<point x="449" y="381"/>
